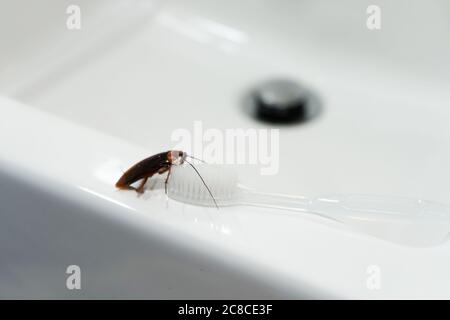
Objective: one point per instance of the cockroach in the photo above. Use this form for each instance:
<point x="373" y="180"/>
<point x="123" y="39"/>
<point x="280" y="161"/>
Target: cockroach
<point x="156" y="164"/>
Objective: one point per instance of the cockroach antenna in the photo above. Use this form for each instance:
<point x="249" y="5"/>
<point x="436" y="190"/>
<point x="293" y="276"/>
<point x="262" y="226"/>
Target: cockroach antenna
<point x="204" y="183"/>
<point x="196" y="158"/>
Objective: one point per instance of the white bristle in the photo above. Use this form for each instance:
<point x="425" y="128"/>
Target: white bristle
<point x="186" y="186"/>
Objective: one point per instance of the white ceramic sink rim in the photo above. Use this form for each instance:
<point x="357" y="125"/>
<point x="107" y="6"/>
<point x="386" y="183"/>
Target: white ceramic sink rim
<point x="348" y="251"/>
<point x="95" y="188"/>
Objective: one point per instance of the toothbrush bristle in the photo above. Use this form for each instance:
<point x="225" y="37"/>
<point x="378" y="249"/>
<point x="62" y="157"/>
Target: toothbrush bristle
<point x="186" y="186"/>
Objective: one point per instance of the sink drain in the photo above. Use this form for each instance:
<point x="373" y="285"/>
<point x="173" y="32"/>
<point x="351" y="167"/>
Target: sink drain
<point x="282" y="101"/>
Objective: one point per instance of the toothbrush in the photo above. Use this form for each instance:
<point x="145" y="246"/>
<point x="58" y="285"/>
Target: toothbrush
<point x="396" y="219"/>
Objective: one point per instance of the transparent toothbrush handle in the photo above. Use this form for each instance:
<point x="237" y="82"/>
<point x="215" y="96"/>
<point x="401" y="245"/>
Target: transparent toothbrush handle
<point x="402" y="220"/>
<point x="274" y="200"/>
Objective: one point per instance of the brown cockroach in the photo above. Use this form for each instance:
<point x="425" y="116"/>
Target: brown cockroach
<point x="156" y="164"/>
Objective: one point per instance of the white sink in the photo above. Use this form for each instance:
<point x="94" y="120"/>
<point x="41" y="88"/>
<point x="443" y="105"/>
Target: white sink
<point x="79" y="106"/>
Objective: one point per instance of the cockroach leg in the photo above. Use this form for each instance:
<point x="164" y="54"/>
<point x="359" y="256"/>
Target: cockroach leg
<point x="128" y="188"/>
<point x="140" y="189"/>
<point x="161" y="171"/>
<point x="167" y="179"/>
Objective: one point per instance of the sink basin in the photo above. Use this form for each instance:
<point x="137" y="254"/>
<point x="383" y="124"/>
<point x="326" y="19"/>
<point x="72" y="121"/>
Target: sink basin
<point x="80" y="106"/>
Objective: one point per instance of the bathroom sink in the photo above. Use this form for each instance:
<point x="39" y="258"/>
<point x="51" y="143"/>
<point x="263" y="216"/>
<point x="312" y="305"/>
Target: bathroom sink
<point x="78" y="107"/>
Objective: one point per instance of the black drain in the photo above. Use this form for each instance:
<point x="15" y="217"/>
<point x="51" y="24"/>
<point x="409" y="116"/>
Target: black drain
<point x="282" y="101"/>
